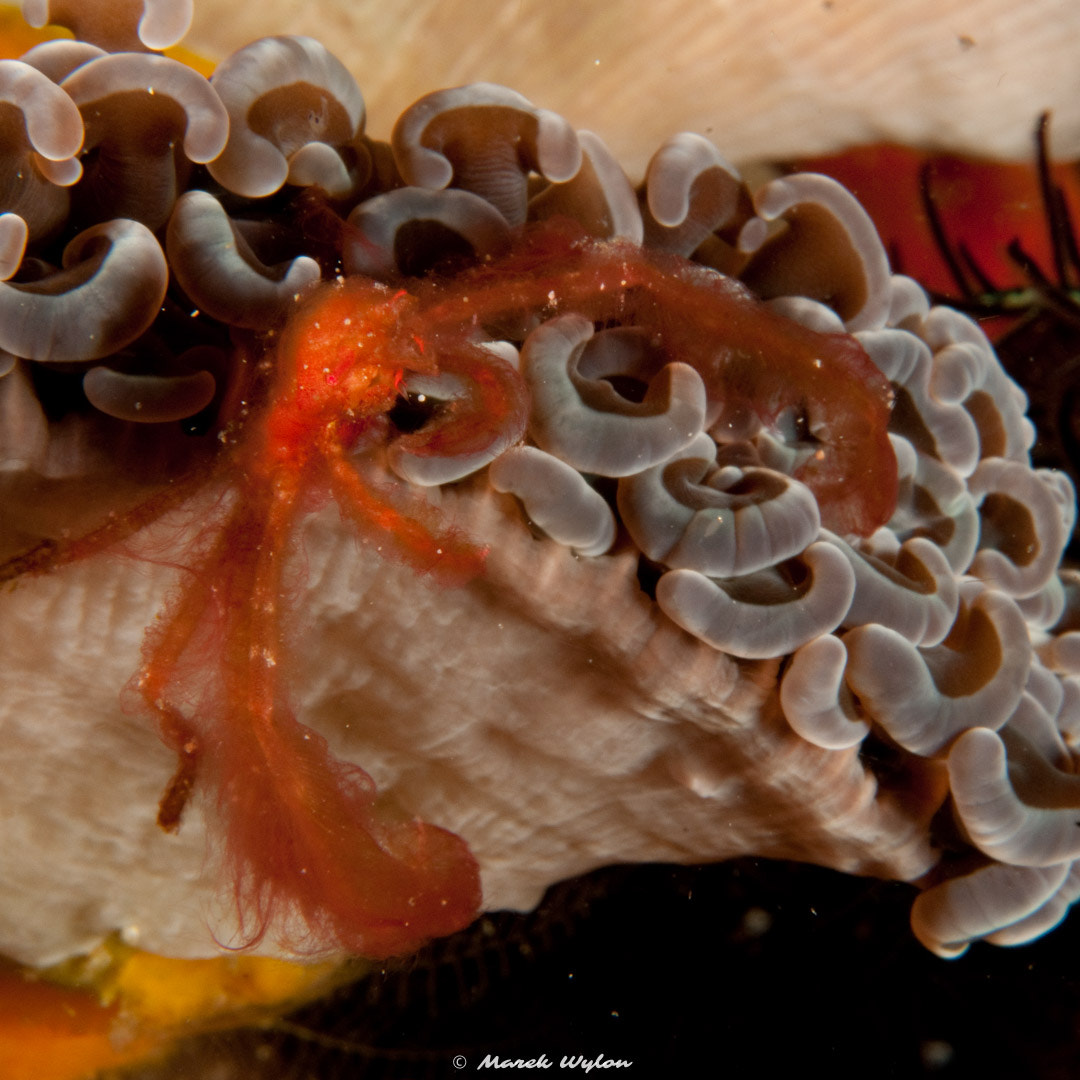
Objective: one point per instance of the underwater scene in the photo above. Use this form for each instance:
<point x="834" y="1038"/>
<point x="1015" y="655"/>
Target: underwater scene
<point x="531" y="537"/>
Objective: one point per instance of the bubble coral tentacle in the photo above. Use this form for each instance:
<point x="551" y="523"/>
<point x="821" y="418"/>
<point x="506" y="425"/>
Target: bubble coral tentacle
<point x="150" y="399"/>
<point x="587" y="423"/>
<point x="948" y="917"/>
<point x="399" y="232"/>
<point x="912" y="592"/>
<point x="39" y="152"/>
<point x="599" y="196"/>
<point x="216" y="266"/>
<point x="999" y="823"/>
<point x="141" y="110"/>
<point x="722" y="522"/>
<point x="556" y="498"/>
<point x="1044" y="918"/>
<point x="850" y="271"/>
<point x="486" y="139"/>
<point x="116" y="271"/>
<point x="133" y="24"/>
<point x="282" y="95"/>
<point x="692" y="193"/>
<point x="924" y="698"/>
<point x="767" y="617"/>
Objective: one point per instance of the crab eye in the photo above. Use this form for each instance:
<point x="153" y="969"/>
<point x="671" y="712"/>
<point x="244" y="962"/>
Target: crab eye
<point x="412" y="411"/>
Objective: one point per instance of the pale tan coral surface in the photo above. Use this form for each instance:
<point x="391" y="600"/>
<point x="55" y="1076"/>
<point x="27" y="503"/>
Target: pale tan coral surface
<point x="771" y="79"/>
<point x="548" y="713"/>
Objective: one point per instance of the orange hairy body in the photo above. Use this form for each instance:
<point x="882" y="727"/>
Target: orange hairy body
<point x="303" y="831"/>
<point x="310" y="849"/>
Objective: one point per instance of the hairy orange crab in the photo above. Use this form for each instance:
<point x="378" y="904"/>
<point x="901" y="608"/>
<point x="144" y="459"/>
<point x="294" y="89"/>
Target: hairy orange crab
<point x="305" y="834"/>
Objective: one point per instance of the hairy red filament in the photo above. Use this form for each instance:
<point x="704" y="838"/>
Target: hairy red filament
<point x="751" y="359"/>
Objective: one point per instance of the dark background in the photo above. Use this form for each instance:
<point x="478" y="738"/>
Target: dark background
<point x="744" y="969"/>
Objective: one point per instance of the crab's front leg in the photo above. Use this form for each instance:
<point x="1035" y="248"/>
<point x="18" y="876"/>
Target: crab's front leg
<point x="200" y="631"/>
<point x="404" y="529"/>
<point x="305" y="845"/>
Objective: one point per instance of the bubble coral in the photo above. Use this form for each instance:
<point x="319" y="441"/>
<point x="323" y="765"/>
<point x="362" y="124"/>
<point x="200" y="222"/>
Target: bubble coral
<point x="656" y="562"/>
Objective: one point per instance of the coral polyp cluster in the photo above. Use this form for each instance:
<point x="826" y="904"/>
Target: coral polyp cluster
<point x="807" y="491"/>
